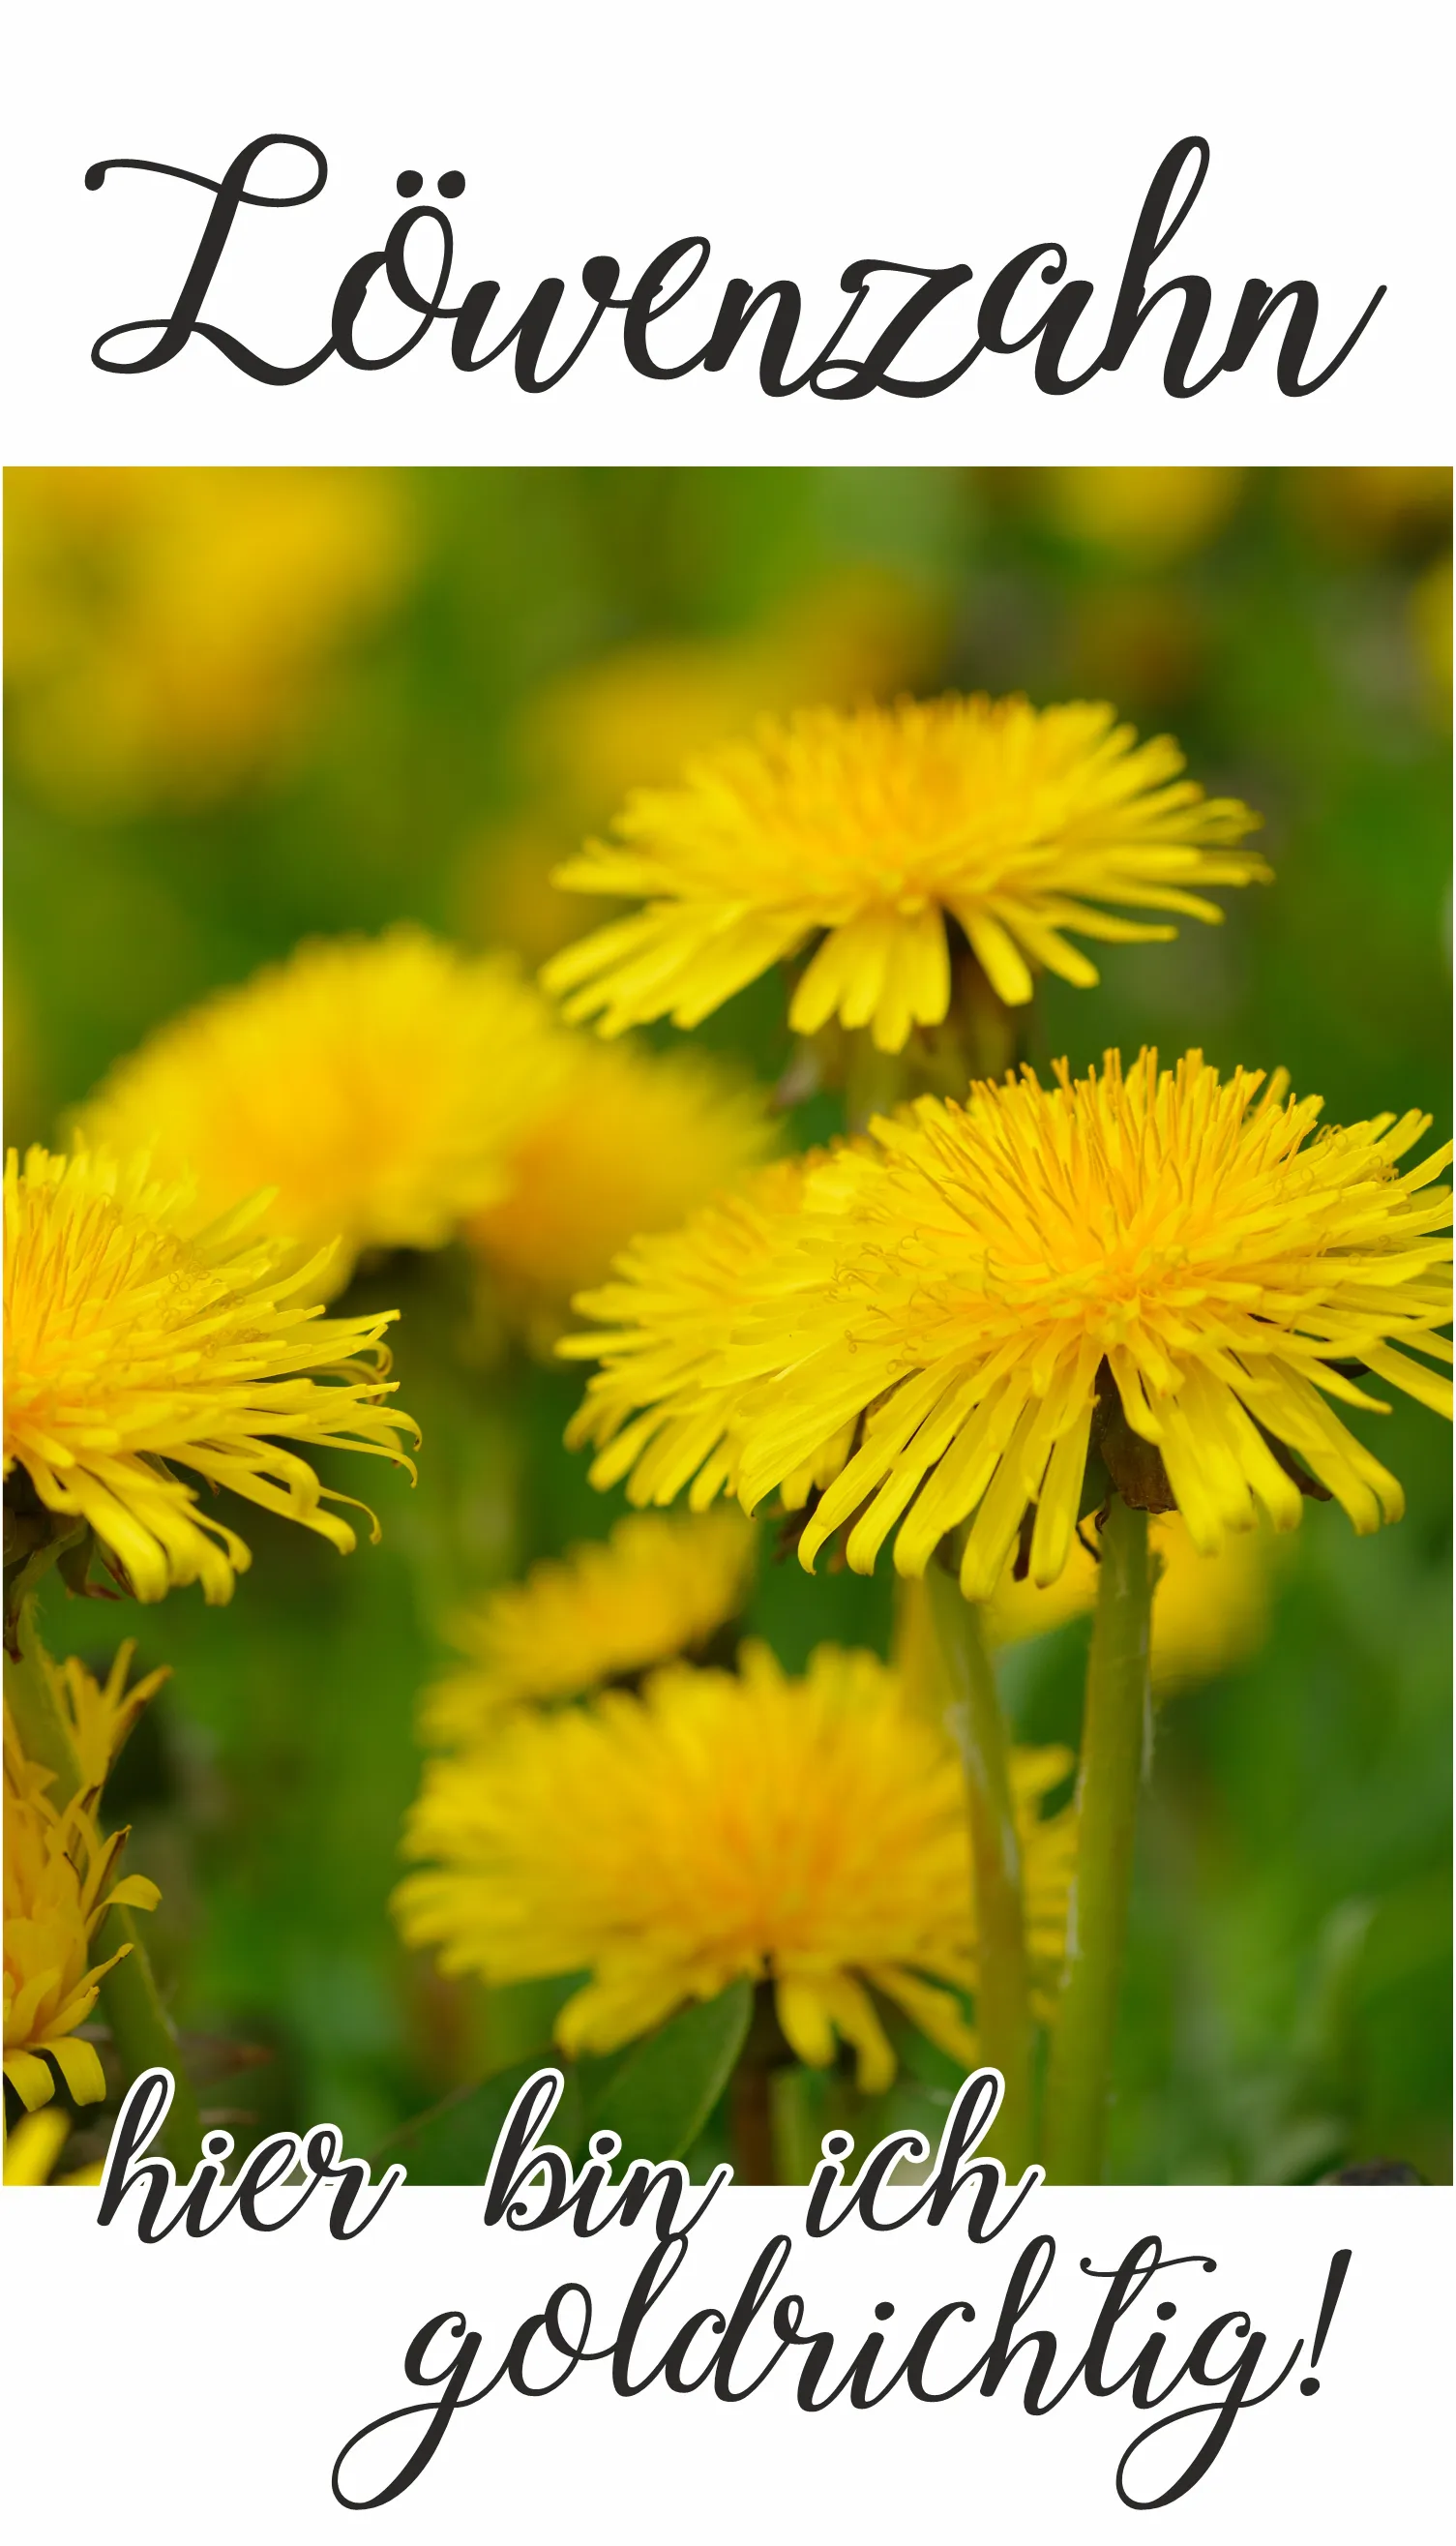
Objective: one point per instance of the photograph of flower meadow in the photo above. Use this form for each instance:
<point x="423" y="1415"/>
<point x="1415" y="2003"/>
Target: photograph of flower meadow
<point x="727" y="1246"/>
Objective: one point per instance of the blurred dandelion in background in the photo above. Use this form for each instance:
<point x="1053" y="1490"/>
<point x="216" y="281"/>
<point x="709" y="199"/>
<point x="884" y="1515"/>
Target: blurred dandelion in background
<point x="1211" y="1612"/>
<point x="373" y="1086"/>
<point x="807" y="1834"/>
<point x="656" y="1588"/>
<point x="1144" y="516"/>
<point x="619" y="1144"/>
<point x="168" y="631"/>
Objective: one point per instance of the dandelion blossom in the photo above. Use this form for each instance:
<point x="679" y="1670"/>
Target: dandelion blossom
<point x="654" y="1590"/>
<point x="60" y="1880"/>
<point x="808" y="1833"/>
<point x="871" y="836"/>
<point x="1192" y="1252"/>
<point x="131" y="1347"/>
<point x="170" y="633"/>
<point x="655" y="1413"/>
<point x="625" y="1142"/>
<point x="98" y="1714"/>
<point x="376" y="1083"/>
<point x="1146" y="515"/>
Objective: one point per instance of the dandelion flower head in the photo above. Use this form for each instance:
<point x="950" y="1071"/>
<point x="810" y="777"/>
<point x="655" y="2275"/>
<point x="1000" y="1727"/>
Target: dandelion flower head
<point x="655" y="1589"/>
<point x="871" y="835"/>
<point x="60" y="1880"/>
<point x="98" y="1714"/>
<point x="809" y="1833"/>
<point x="133" y="1345"/>
<point x="1148" y="515"/>
<point x="625" y="1141"/>
<point x="169" y="632"/>
<point x="1189" y="1250"/>
<point x="375" y="1083"/>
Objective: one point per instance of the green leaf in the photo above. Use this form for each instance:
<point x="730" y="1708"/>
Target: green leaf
<point x="452" y="2143"/>
<point x="657" y="2096"/>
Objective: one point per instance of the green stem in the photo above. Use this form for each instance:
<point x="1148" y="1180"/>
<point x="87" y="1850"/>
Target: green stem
<point x="1002" y="1992"/>
<point x="990" y="1033"/>
<point x="146" y="2037"/>
<point x="875" y="1081"/>
<point x="1115" y="1735"/>
<point x="751" y="2123"/>
<point x="141" y="2029"/>
<point x="753" y="2094"/>
<point x="804" y="2103"/>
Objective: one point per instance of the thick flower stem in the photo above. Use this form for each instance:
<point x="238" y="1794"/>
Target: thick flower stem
<point x="751" y="2124"/>
<point x="992" y="1035"/>
<point x="141" y="2029"/>
<point x="1114" y="1739"/>
<point x="1002" y="1993"/>
<point x="754" y="2130"/>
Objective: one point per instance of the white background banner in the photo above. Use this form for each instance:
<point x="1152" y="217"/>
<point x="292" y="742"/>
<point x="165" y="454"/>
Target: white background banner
<point x="273" y="2352"/>
<point x="797" y="140"/>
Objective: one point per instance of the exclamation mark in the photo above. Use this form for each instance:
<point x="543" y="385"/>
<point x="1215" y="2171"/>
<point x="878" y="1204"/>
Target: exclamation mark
<point x="1339" y="2266"/>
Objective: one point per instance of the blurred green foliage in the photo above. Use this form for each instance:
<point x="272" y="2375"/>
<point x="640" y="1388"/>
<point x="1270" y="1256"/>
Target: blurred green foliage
<point x="1288" y="2001"/>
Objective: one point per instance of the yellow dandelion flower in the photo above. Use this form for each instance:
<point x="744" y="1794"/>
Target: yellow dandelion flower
<point x="876" y="834"/>
<point x="168" y="631"/>
<point x="98" y="1714"/>
<point x="627" y="1141"/>
<point x="810" y="1833"/>
<point x="653" y="1412"/>
<point x="654" y="1590"/>
<point x="132" y="1345"/>
<point x="60" y="1880"/>
<point x="1148" y="515"/>
<point x="1210" y="1614"/>
<point x="1188" y="1250"/>
<point x="376" y="1083"/>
